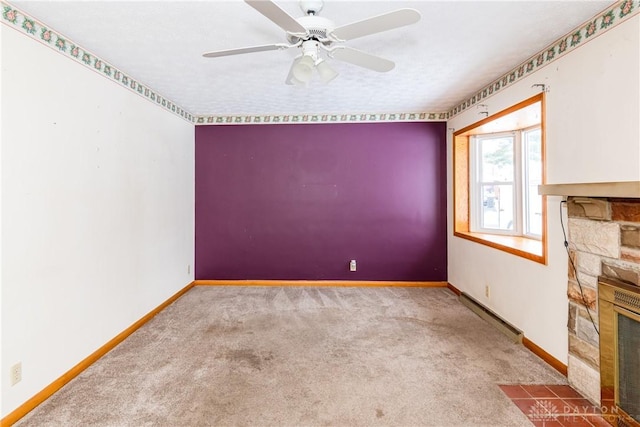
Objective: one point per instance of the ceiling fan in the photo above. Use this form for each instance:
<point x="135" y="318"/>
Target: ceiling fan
<point x="313" y="34"/>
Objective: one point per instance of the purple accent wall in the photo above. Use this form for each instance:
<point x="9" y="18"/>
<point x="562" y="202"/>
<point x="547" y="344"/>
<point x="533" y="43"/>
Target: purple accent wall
<point x="298" y="202"/>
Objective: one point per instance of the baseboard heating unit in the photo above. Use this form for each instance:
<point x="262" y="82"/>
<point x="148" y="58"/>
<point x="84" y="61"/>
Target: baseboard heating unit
<point x="499" y="323"/>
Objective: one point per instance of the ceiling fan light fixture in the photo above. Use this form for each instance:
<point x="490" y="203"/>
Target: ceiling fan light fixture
<point x="291" y="80"/>
<point x="302" y="69"/>
<point x="325" y="71"/>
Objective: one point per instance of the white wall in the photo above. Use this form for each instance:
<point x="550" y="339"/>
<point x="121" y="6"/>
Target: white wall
<point x="97" y="212"/>
<point x="593" y="134"/>
<point x="3" y="372"/>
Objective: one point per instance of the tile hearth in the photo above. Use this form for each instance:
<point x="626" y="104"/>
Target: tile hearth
<point x="554" y="405"/>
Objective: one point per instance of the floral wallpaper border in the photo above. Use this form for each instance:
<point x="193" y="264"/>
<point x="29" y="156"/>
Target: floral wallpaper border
<point x="320" y="118"/>
<point x="37" y="31"/>
<point x="616" y="14"/>
<point x="612" y="16"/>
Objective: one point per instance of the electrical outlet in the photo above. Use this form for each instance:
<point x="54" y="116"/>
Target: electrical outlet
<point x="352" y="265"/>
<point x="188" y="268"/>
<point x="16" y="373"/>
<point x="486" y="291"/>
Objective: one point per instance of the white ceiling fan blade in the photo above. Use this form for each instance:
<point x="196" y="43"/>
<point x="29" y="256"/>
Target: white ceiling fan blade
<point x="278" y="16"/>
<point x="377" y="24"/>
<point x="229" y="52"/>
<point x="362" y="59"/>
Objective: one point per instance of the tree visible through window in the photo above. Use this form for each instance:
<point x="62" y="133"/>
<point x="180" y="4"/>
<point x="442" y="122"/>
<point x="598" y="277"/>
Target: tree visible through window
<point x="507" y="169"/>
<point x="493" y="193"/>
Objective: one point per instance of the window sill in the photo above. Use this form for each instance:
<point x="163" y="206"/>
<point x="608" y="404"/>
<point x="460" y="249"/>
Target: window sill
<point x="520" y="246"/>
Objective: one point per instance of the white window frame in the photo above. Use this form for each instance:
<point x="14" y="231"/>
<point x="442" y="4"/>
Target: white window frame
<point x="520" y="226"/>
<point x="525" y="187"/>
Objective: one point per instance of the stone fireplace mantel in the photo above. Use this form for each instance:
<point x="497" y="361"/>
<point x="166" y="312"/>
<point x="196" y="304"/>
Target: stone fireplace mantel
<point x="622" y="189"/>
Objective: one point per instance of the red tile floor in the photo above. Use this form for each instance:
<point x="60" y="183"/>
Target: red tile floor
<point x="554" y="406"/>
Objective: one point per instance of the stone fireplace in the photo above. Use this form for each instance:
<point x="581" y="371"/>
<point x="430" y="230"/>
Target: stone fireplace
<point x="604" y="247"/>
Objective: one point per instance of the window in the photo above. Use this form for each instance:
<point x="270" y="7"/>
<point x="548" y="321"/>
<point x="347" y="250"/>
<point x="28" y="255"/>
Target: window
<point x="531" y="179"/>
<point x="498" y="166"/>
<point x="506" y="170"/>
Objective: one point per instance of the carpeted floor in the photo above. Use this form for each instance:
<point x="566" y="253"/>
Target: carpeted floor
<point x="303" y="357"/>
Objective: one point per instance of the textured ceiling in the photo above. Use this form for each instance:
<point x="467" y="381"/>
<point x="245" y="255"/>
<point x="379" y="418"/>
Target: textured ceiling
<point x="454" y="51"/>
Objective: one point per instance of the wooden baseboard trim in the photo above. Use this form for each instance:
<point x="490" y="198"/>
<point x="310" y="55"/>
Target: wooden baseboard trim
<point x="539" y="351"/>
<point x="319" y="283"/>
<point x="56" y="385"/>
<point x="453" y="289"/>
<point x="533" y="347"/>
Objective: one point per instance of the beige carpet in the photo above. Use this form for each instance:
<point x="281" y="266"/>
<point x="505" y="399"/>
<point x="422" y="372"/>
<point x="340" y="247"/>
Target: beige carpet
<point x="303" y="357"/>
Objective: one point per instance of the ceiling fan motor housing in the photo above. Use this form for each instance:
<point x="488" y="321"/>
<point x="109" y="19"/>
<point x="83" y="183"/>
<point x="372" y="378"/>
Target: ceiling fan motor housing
<point x="318" y="28"/>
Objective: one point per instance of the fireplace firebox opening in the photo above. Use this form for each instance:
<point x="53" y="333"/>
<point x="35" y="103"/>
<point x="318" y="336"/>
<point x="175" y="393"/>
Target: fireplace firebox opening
<point x="619" y="306"/>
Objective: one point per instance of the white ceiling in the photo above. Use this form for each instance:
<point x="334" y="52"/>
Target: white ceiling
<point x="456" y="49"/>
